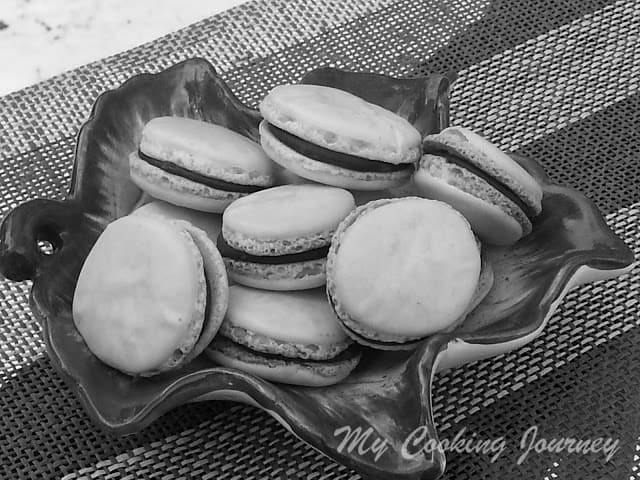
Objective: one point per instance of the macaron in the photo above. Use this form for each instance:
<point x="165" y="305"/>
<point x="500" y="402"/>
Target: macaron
<point x="278" y="239"/>
<point x="197" y="164"/>
<point x="287" y="337"/>
<point x="210" y="223"/>
<point x="336" y="138"/>
<point x="402" y="269"/>
<point x="496" y="195"/>
<point x="151" y="295"/>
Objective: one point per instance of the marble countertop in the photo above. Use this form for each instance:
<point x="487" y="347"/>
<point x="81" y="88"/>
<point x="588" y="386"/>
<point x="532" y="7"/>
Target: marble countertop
<point x="41" y="38"/>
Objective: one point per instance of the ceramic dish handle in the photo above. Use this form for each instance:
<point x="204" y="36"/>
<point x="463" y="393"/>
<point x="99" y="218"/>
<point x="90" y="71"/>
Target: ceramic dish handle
<point x="40" y="236"/>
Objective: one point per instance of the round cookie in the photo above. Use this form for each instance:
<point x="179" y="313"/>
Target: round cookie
<point x="333" y="137"/>
<point x="278" y="239"/>
<point x="496" y="195"/>
<point x="402" y="269"/>
<point x="197" y="164"/>
<point x="150" y="295"/>
<point x="287" y="337"/>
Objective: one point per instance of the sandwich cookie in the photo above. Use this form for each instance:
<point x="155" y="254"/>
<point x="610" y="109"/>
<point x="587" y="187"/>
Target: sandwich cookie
<point x="497" y="195"/>
<point x="402" y="269"/>
<point x="151" y="295"/>
<point x="287" y="337"/>
<point x="333" y="137"/>
<point x="278" y="239"/>
<point x="197" y="164"/>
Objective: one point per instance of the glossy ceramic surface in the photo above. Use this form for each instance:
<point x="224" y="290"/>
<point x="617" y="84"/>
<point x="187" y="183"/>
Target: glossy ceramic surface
<point x="389" y="394"/>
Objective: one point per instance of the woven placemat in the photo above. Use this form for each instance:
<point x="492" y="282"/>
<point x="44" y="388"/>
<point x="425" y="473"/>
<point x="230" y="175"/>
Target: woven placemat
<point x="554" y="79"/>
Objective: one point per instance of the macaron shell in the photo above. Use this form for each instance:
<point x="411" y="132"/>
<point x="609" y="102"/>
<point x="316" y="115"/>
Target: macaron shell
<point x="323" y="172"/>
<point x="493" y="217"/>
<point x="282" y="277"/>
<point x="141" y="294"/>
<point x="217" y="288"/>
<point x="178" y="190"/>
<point x="296" y="317"/>
<point x="500" y="159"/>
<point x="342" y="122"/>
<point x="211" y="223"/>
<point x="208" y="149"/>
<point x="288" y="212"/>
<point x="402" y="259"/>
<point x="481" y="153"/>
<point x="290" y="371"/>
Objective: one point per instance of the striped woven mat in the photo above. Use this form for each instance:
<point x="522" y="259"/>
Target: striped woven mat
<point x="554" y="79"/>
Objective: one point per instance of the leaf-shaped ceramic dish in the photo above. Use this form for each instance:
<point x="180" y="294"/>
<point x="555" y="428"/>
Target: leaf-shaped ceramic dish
<point x="389" y="395"/>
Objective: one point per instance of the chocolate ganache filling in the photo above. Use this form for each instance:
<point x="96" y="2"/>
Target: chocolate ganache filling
<point x="494" y="182"/>
<point x="174" y="169"/>
<point x="208" y="299"/>
<point x="228" y="251"/>
<point x="339" y="159"/>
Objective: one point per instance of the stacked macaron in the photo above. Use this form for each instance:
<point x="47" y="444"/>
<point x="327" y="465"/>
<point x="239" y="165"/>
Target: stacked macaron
<point x="278" y="239"/>
<point x="402" y="269"/>
<point x="151" y="294"/>
<point x="333" y="137"/>
<point x="288" y="337"/>
<point x="198" y="165"/>
<point x="497" y="195"/>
